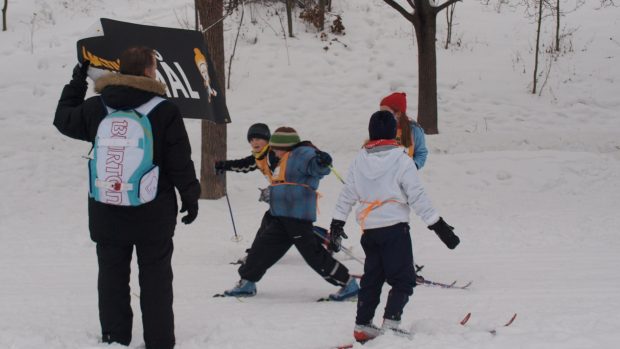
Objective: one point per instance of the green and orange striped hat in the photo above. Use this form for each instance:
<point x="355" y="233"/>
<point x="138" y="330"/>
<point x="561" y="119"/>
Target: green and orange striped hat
<point x="284" y="138"/>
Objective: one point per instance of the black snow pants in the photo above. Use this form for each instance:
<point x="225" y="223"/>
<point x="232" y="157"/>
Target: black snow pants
<point x="389" y="258"/>
<point x="280" y="234"/>
<point x="267" y="218"/>
<point x="155" y="278"/>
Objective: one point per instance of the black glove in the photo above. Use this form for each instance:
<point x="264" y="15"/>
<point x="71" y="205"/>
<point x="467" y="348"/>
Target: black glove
<point x="80" y="71"/>
<point x="323" y="159"/>
<point x="336" y="234"/>
<point x="192" y="212"/>
<point x="220" y="167"/>
<point x="445" y="233"/>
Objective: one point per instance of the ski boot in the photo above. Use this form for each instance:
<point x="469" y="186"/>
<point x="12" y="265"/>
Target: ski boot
<point x="364" y="333"/>
<point x="243" y="288"/>
<point x="351" y="289"/>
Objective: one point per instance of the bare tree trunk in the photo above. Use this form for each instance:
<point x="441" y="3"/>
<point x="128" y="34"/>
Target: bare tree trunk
<point x="449" y="21"/>
<point x="427" y="71"/>
<point x="6" y="4"/>
<point x="289" y="17"/>
<point x="540" y="4"/>
<point x="322" y="13"/>
<point x="557" y="27"/>
<point x="213" y="135"/>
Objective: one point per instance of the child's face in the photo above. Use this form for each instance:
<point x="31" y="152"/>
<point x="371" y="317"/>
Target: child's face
<point x="257" y="144"/>
<point x="279" y="153"/>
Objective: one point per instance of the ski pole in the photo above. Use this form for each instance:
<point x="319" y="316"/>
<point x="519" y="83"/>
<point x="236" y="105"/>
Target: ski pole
<point x="336" y="173"/>
<point x="344" y="249"/>
<point x="232" y="219"/>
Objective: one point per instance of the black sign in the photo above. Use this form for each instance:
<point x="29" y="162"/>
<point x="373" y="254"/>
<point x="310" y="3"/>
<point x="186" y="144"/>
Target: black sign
<point x="183" y="64"/>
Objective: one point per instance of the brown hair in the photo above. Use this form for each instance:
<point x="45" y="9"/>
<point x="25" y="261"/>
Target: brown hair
<point x="405" y="128"/>
<point x="135" y="60"/>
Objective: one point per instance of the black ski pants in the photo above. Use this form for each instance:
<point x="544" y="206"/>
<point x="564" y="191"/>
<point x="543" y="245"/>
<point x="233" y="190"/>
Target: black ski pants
<point x="389" y="258"/>
<point x="267" y="218"/>
<point x="280" y="234"/>
<point x="155" y="278"/>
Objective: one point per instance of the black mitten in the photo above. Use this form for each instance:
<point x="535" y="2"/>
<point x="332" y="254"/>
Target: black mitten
<point x="336" y="234"/>
<point x="323" y="158"/>
<point x="80" y="72"/>
<point x="220" y="167"/>
<point x="192" y="212"/>
<point x="445" y="233"/>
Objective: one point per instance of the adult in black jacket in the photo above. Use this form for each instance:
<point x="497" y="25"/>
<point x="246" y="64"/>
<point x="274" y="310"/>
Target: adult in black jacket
<point x="150" y="226"/>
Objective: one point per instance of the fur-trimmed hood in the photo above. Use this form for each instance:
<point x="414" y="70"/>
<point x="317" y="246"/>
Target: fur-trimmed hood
<point x="138" y="82"/>
<point x="119" y="91"/>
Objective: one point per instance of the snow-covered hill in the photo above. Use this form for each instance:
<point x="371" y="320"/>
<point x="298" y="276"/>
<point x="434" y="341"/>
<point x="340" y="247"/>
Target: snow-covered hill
<point x="531" y="183"/>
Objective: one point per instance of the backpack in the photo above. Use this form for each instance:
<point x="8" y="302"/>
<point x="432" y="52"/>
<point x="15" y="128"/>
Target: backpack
<point x="121" y="171"/>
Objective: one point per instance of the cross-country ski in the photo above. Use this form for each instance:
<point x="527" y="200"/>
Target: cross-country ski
<point x="493" y="330"/>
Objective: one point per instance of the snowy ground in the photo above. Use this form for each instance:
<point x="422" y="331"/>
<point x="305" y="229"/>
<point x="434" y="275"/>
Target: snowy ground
<point x="532" y="184"/>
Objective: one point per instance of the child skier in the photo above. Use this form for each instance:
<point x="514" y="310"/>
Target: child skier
<point x="384" y="180"/>
<point x="262" y="158"/>
<point x="292" y="203"/>
<point x="409" y="133"/>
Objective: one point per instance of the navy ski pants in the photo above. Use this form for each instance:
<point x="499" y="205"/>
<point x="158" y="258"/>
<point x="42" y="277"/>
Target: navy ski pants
<point x="389" y="258"/>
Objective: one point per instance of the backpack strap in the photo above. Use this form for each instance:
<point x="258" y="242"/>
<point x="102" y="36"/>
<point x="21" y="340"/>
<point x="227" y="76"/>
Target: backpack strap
<point x="144" y="109"/>
<point x="147" y="107"/>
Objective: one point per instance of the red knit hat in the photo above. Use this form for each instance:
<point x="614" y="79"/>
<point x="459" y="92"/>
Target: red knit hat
<point x="397" y="101"/>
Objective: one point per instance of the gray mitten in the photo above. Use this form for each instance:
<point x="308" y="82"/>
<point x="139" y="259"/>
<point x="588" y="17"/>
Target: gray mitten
<point x="264" y="194"/>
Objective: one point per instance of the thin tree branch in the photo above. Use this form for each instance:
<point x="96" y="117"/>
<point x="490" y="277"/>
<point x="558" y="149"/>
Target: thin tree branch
<point x="235" y="46"/>
<point x="445" y="4"/>
<point x="400" y="9"/>
<point x="411" y="3"/>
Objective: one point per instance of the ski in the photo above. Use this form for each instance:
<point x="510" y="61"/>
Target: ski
<point x="425" y="282"/>
<point x="327" y="299"/>
<point x="397" y="332"/>
<point x="344" y="346"/>
<point x="493" y="331"/>
<point x="221" y="295"/>
<point x="422" y="281"/>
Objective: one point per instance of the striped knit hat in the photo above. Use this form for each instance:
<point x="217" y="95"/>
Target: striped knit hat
<point x="284" y="138"/>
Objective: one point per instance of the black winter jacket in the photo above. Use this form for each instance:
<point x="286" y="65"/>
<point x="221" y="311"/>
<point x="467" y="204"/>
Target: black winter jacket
<point x="248" y="163"/>
<point x="79" y="119"/>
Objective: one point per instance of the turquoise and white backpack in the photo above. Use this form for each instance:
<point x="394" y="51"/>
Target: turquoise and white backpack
<point x="122" y="171"/>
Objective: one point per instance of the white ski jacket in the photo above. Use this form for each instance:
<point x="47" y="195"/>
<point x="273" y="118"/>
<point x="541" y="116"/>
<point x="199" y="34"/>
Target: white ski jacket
<point x="386" y="180"/>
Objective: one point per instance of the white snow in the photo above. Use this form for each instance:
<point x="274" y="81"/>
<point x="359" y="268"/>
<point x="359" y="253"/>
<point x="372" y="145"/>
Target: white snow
<point x="531" y="183"/>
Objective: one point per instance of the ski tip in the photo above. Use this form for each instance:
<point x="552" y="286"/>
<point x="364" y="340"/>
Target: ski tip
<point x="512" y="319"/>
<point x="464" y="287"/>
<point x="465" y="319"/>
<point x="345" y="346"/>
